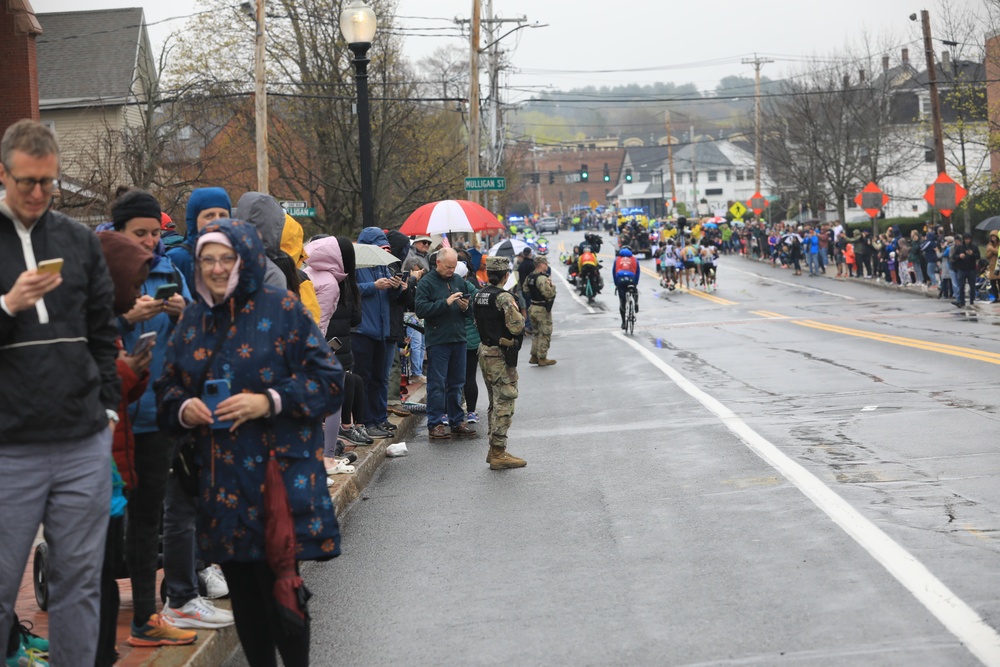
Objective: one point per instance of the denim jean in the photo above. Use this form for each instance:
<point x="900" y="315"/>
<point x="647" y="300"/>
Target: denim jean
<point x="180" y="574"/>
<point x="932" y="273"/>
<point x="823" y="259"/>
<point x="445" y="382"/>
<point x="813" y="260"/>
<point x="963" y="278"/>
<point x="416" y="351"/>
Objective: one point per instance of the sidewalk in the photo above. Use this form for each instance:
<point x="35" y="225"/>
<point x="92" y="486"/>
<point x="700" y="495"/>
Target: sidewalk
<point x="214" y="646"/>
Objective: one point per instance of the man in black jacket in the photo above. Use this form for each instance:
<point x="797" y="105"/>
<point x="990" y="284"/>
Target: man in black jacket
<point x="965" y="261"/>
<point x="58" y="394"/>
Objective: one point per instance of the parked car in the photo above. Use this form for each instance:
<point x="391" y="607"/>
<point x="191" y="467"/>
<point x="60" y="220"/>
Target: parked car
<point x="546" y="225"/>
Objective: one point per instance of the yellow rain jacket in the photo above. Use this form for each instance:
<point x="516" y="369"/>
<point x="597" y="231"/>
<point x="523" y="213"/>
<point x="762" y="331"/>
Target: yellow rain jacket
<point x="292" y="238"/>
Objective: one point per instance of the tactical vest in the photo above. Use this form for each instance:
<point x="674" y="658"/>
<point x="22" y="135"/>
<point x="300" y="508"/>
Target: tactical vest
<point x="489" y="318"/>
<point x="537" y="298"/>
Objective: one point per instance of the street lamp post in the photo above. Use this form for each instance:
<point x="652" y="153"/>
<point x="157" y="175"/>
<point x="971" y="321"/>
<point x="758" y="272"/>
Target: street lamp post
<point x="357" y="25"/>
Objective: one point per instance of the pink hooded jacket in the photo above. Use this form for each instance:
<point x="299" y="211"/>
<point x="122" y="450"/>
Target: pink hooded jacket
<point x="326" y="271"/>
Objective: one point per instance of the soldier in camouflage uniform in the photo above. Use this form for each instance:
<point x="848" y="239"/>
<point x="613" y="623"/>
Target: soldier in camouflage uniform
<point x="501" y="328"/>
<point x="543" y="293"/>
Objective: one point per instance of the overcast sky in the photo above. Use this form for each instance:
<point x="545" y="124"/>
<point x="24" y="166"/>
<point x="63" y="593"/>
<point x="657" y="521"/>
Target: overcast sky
<point x="644" y="41"/>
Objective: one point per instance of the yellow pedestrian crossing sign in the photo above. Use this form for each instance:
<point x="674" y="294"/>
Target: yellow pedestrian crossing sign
<point x="738" y="210"/>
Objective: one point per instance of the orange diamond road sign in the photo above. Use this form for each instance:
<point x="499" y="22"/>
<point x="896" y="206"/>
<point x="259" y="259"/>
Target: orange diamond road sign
<point x="945" y="194"/>
<point x="872" y="199"/>
<point x="757" y="203"/>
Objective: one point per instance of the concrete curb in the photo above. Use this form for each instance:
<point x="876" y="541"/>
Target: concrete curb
<point x="214" y="647"/>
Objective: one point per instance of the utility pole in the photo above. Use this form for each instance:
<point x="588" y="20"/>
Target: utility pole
<point x="538" y="185"/>
<point x="757" y="63"/>
<point x="260" y="102"/>
<point x="925" y="19"/>
<point x="494" y="148"/>
<point x="474" y="97"/>
<point x="670" y="162"/>
<point x="694" y="170"/>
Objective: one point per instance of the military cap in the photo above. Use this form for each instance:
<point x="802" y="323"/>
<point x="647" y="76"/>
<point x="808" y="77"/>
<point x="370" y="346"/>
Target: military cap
<point x="497" y="264"/>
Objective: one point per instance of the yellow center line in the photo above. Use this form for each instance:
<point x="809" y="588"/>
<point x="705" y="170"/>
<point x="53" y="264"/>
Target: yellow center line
<point x="928" y="346"/>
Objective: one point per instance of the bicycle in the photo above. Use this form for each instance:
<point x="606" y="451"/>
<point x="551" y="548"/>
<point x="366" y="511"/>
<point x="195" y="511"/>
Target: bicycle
<point x="630" y="296"/>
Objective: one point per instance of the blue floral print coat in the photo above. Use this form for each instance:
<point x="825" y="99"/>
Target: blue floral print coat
<point x="271" y="343"/>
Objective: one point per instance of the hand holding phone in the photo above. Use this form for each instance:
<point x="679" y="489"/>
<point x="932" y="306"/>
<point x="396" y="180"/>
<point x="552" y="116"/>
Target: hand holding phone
<point x="216" y="391"/>
<point x="335" y="343"/>
<point x="50" y="265"/>
<point x="145" y="344"/>
<point x="166" y="291"/>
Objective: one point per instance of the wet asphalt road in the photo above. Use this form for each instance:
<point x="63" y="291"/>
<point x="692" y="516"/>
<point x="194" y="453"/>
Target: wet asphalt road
<point x="792" y="470"/>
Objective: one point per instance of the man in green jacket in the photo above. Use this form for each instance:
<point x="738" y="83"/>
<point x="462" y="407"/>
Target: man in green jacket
<point x="442" y="302"/>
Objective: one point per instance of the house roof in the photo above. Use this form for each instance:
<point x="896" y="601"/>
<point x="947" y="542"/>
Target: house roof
<point x="706" y="155"/>
<point x="88" y="56"/>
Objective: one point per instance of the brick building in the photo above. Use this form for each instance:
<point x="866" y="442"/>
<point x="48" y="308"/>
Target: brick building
<point x="19" y="73"/>
<point x="559" y="186"/>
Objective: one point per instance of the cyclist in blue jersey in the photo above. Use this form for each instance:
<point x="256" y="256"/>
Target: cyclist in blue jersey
<point x="625" y="273"/>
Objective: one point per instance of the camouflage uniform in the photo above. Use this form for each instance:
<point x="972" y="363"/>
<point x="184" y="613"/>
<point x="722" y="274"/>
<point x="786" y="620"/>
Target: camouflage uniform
<point x="501" y="380"/>
<point x="541" y="317"/>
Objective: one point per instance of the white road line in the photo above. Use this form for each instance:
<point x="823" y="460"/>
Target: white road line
<point x="785" y="282"/>
<point x="960" y="619"/>
<point x="573" y="293"/>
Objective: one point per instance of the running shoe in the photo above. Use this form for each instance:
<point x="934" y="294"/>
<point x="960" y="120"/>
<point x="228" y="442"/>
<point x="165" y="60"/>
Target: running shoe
<point x="158" y="631"/>
<point x="198" y="613"/>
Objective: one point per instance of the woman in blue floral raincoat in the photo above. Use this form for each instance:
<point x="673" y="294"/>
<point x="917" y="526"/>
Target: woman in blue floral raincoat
<point x="284" y="381"/>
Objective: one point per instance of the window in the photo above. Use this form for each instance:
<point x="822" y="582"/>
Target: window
<point x="749" y="174"/>
<point x="713" y="191"/>
<point x="739" y="175"/>
<point x="729" y="175"/>
<point x="50" y="124"/>
<point x="713" y="176"/>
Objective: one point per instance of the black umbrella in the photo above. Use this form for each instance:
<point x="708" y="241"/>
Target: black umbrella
<point x="990" y="224"/>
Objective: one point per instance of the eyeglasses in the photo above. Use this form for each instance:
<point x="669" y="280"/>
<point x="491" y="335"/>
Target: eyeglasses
<point x="208" y="263"/>
<point x="27" y="185"/>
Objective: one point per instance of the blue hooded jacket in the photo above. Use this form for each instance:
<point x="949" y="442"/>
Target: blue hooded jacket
<point x="182" y="255"/>
<point x="142" y="413"/>
<point x="375" y="320"/>
<point x="268" y="341"/>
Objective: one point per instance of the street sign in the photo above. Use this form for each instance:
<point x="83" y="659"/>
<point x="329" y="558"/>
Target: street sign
<point x="872" y="199"/>
<point x="491" y="183"/>
<point x="293" y="204"/>
<point x="757" y="203"/>
<point x="301" y="212"/>
<point x="738" y="210"/>
<point x="945" y="194"/>
<point x="594" y="204"/>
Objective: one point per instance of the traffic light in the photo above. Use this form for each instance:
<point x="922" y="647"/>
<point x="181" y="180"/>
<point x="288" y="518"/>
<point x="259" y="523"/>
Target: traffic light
<point x="607" y="173"/>
<point x="534" y="179"/>
<point x="628" y="175"/>
<point x="552" y="178"/>
<point x="584" y="173"/>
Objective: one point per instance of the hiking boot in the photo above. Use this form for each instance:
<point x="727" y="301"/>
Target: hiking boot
<point x="499" y="459"/>
<point x="463" y="431"/>
<point x="398" y="410"/>
<point x="198" y="613"/>
<point x="158" y="631"/>
<point x="546" y="362"/>
<point x="438" y="432"/>
<point x="534" y="359"/>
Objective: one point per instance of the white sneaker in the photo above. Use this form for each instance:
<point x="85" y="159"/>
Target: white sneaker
<point x="198" y="613"/>
<point x="215" y="582"/>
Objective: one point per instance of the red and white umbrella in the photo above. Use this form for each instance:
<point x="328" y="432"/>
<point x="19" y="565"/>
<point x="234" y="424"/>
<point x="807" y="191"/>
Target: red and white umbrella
<point x="450" y="215"/>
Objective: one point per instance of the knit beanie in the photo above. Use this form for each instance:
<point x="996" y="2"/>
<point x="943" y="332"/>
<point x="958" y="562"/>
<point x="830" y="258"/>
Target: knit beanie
<point x="134" y="204"/>
<point x="201" y="199"/>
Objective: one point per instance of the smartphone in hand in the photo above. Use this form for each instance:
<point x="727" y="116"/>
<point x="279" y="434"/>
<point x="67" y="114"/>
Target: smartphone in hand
<point x="50" y="265"/>
<point x="216" y="391"/>
<point x="334" y="343"/>
<point x="166" y="291"/>
<point x="145" y="344"/>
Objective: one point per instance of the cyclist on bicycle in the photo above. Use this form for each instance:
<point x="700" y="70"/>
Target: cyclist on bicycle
<point x="626" y="275"/>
